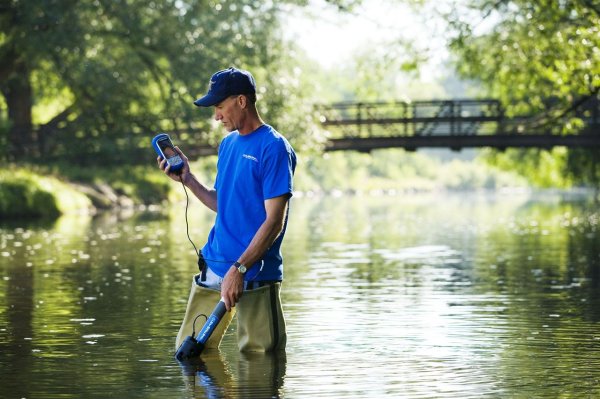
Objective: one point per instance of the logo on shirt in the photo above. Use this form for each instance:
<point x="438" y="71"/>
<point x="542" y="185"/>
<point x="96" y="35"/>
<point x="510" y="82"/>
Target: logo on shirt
<point x="250" y="157"/>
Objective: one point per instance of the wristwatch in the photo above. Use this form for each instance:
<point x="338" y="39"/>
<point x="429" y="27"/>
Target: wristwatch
<point x="240" y="267"/>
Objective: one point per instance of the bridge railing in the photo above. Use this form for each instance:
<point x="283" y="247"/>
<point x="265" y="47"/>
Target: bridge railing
<point x="460" y="117"/>
<point x="415" y="118"/>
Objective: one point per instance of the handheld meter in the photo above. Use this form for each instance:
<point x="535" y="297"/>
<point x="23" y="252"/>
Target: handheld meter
<point x="164" y="147"/>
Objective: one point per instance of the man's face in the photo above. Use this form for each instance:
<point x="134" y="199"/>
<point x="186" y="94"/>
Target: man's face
<point x="228" y="112"/>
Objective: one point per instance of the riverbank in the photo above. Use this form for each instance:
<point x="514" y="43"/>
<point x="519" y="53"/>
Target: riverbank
<point x="49" y="191"/>
<point x="46" y="192"/>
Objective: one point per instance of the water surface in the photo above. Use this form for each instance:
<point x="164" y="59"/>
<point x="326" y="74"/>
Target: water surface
<point x="421" y="296"/>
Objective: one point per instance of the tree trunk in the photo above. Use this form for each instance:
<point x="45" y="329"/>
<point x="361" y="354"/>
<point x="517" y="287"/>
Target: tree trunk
<point x="17" y="92"/>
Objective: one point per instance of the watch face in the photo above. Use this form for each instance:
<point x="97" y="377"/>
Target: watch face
<point x="242" y="269"/>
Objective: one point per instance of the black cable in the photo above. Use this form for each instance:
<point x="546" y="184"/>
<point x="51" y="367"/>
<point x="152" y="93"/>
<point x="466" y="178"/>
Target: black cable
<point x="194" y="323"/>
<point x="187" y="226"/>
<point x="187" y="231"/>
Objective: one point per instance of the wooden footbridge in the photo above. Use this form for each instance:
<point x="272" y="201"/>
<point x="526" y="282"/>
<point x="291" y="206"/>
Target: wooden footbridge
<point x="453" y="124"/>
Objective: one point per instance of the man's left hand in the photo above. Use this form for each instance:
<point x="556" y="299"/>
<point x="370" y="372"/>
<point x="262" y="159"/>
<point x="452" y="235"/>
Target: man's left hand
<point x="232" y="287"/>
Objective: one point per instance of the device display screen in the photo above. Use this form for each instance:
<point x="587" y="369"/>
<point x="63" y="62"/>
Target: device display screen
<point x="167" y="148"/>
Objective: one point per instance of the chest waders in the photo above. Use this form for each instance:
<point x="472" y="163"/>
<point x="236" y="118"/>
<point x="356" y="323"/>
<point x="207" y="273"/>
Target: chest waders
<point x="193" y="346"/>
<point x="260" y="321"/>
<point x="202" y="301"/>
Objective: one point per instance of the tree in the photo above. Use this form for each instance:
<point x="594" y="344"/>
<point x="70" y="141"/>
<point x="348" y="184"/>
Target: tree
<point x="92" y="81"/>
<point x="539" y="58"/>
<point x="531" y="51"/>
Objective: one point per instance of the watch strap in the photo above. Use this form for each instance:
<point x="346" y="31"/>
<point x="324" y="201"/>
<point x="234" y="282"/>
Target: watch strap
<point x="240" y="267"/>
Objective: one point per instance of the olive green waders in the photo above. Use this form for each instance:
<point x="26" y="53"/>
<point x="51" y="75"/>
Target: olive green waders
<point x="202" y="300"/>
<point x="260" y="321"/>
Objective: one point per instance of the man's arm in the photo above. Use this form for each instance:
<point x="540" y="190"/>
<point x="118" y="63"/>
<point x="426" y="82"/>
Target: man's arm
<point x="206" y="195"/>
<point x="233" y="283"/>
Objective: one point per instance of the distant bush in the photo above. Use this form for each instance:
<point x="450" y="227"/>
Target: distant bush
<point x="395" y="169"/>
<point x="23" y="195"/>
<point x="141" y="184"/>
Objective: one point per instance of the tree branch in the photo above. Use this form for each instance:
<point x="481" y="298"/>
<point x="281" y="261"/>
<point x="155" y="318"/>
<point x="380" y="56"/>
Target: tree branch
<point x="550" y="117"/>
<point x="50" y="126"/>
<point x="578" y="103"/>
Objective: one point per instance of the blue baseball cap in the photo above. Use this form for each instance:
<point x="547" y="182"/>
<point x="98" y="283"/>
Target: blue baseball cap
<point x="225" y="83"/>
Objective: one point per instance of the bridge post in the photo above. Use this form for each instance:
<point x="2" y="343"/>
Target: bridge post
<point x="359" y="119"/>
<point x="404" y="114"/>
<point x="454" y="122"/>
<point x="500" y="112"/>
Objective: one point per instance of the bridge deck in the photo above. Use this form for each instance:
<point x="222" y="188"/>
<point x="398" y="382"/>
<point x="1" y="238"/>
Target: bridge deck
<point x="500" y="141"/>
<point x="451" y="124"/>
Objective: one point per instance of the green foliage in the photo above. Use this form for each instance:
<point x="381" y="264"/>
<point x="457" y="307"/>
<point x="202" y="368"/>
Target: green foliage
<point x="379" y="74"/>
<point x="584" y="166"/>
<point x="19" y="198"/>
<point x="542" y="168"/>
<point x="388" y="72"/>
<point x="398" y="170"/>
<point x="141" y="184"/>
<point x="540" y="58"/>
<point x="531" y="51"/>
<point x="103" y="77"/>
<point x="461" y="175"/>
<point x="27" y="194"/>
<point x="96" y="80"/>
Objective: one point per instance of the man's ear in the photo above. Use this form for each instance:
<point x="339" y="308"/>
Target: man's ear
<point x="242" y="101"/>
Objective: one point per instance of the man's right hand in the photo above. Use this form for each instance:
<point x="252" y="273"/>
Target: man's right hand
<point x="185" y="174"/>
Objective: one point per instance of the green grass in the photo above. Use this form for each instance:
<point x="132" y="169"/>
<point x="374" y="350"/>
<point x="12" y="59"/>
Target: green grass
<point x="141" y="184"/>
<point x="49" y="191"/>
<point x="24" y="193"/>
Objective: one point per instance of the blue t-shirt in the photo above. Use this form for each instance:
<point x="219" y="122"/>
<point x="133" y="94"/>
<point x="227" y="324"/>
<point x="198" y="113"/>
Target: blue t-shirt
<point x="250" y="169"/>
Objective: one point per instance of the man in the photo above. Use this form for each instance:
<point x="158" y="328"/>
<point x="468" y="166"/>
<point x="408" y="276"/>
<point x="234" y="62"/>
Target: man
<point x="255" y="167"/>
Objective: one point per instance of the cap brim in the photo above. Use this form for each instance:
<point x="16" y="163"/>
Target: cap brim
<point x="208" y="100"/>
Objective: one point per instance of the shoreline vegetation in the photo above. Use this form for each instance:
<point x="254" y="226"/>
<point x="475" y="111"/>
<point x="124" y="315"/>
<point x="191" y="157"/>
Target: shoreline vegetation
<point x="35" y="192"/>
<point x="44" y="192"/>
<point x="74" y="93"/>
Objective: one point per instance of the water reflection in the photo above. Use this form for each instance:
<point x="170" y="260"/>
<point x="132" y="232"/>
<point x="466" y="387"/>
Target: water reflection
<point x="420" y="296"/>
<point x="257" y="375"/>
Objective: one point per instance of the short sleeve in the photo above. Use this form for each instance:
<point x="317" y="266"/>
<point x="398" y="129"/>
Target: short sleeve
<point x="278" y="169"/>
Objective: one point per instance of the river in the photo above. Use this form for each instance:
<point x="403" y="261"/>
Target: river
<point x="406" y="296"/>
